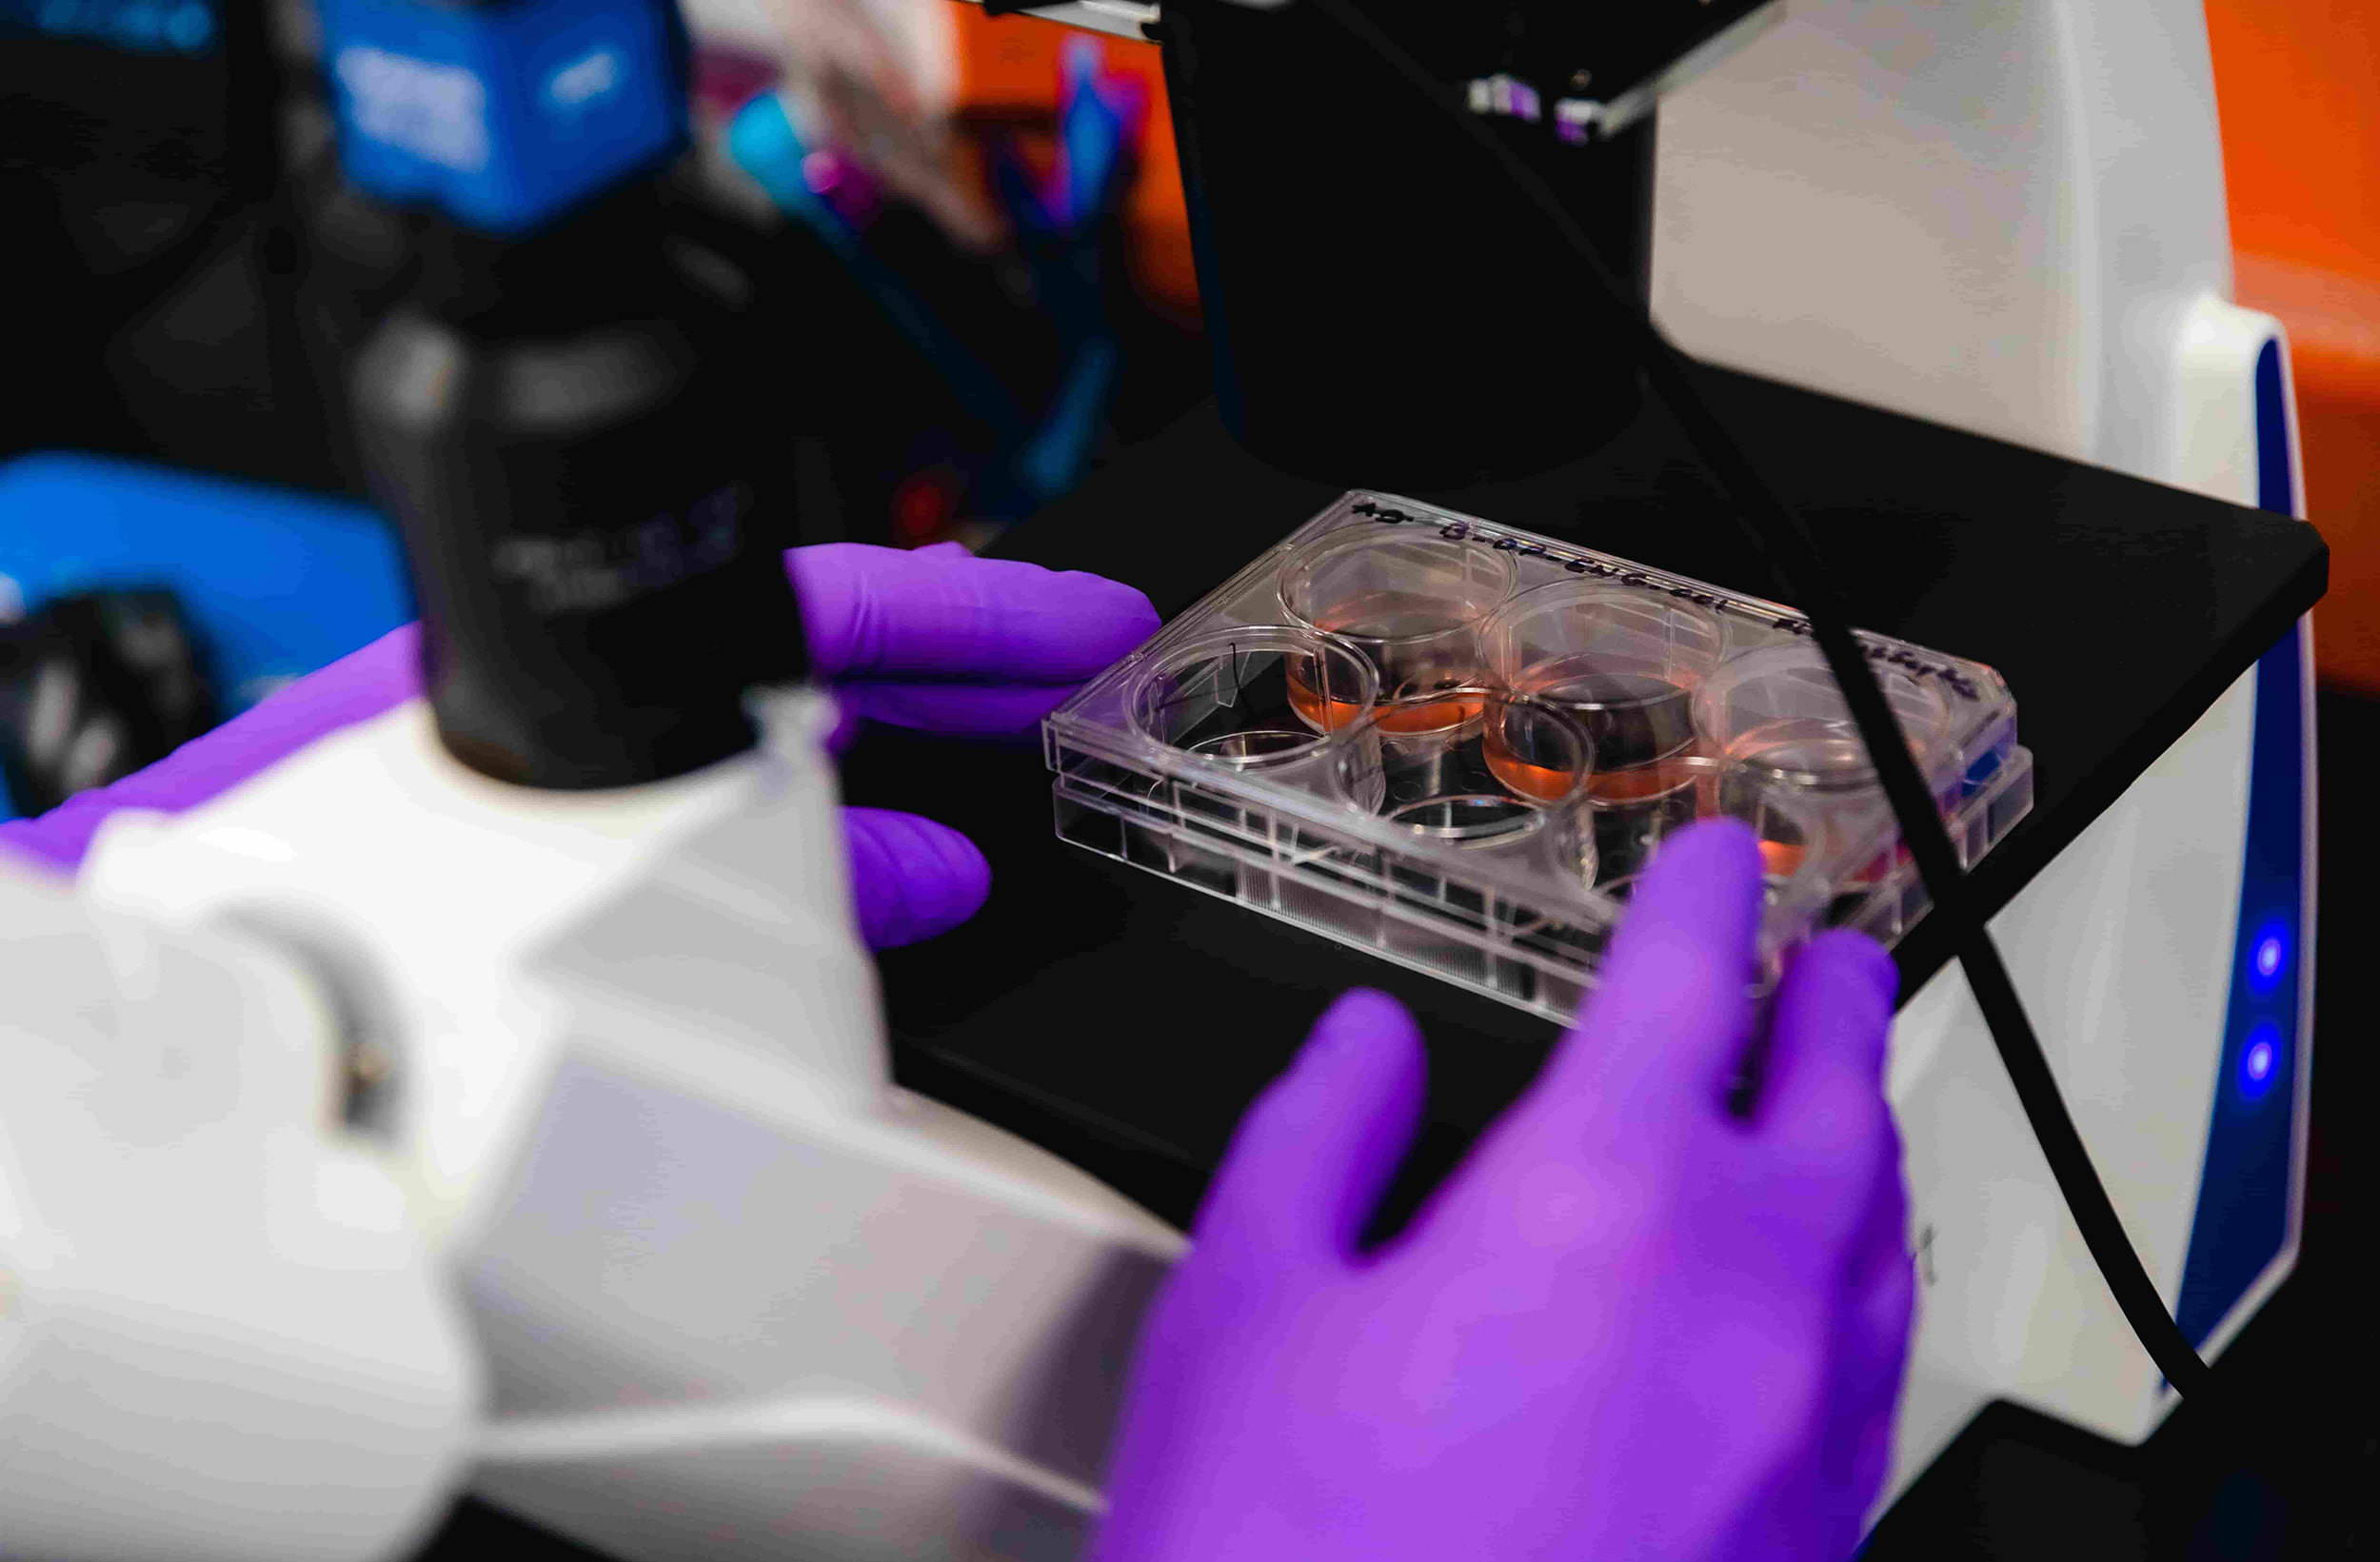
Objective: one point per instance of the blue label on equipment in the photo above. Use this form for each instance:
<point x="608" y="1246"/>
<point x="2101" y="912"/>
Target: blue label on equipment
<point x="502" y="115"/>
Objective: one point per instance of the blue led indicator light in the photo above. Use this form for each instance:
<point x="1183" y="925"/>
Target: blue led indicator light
<point x="2260" y="1062"/>
<point x="2267" y="957"/>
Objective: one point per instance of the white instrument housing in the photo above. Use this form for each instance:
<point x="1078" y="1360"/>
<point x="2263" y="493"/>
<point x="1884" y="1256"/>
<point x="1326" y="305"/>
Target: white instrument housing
<point x="730" y="1285"/>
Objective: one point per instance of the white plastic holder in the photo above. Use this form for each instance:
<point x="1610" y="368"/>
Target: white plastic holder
<point x="735" y="1292"/>
<point x="221" y="1337"/>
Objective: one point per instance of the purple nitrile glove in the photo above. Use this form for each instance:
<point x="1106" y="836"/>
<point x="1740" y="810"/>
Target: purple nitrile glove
<point x="1631" y="1325"/>
<point x="935" y="639"/>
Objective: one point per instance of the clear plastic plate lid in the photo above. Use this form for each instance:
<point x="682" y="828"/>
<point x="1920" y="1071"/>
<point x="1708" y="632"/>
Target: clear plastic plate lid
<point x="1456" y="745"/>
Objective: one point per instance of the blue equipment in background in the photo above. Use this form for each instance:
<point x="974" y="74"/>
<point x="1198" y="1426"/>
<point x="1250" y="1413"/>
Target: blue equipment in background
<point x="148" y="27"/>
<point x="503" y="115"/>
<point x="1061" y="222"/>
<point x="275" y="583"/>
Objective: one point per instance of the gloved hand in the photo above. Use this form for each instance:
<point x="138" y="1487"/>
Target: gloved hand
<point x="934" y="638"/>
<point x="1630" y="1326"/>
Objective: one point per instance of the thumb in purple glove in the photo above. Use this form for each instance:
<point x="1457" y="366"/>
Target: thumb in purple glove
<point x="1630" y="1325"/>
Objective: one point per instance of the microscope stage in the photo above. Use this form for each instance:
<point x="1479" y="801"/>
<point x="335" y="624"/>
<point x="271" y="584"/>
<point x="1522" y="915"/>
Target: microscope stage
<point x="1125" y="1023"/>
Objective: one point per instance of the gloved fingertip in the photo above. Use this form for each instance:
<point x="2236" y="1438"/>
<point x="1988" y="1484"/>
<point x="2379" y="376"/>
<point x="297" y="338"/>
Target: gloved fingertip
<point x="1359" y="1019"/>
<point x="1862" y="962"/>
<point x="1843" y="985"/>
<point x="943" y="613"/>
<point x="1110" y="616"/>
<point x="1673" y="1004"/>
<point x="911" y="878"/>
<point x="1706" y="852"/>
<point x="1696" y="910"/>
<point x="1308" y="1164"/>
<point x="1822" y="1097"/>
<point x="1701" y="896"/>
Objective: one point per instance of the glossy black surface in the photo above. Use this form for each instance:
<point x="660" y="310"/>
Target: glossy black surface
<point x="1127" y="1020"/>
<point x="1374" y="287"/>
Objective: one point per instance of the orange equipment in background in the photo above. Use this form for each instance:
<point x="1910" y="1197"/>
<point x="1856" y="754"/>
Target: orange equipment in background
<point x="1008" y="70"/>
<point x="2299" y="89"/>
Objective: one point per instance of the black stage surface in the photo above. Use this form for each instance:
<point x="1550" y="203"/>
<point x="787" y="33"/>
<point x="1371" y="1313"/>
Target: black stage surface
<point x="1127" y="1020"/>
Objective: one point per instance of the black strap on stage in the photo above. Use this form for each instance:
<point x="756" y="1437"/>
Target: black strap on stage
<point x="1799" y="567"/>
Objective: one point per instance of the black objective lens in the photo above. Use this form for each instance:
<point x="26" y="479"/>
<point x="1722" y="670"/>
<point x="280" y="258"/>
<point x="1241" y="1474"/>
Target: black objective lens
<point x="573" y="436"/>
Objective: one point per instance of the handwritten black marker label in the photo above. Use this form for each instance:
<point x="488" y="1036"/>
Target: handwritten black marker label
<point x="1456" y="529"/>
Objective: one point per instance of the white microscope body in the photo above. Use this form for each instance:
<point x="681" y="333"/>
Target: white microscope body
<point x="2008" y="216"/>
<point x="638" y="1238"/>
<point x="717" y="1286"/>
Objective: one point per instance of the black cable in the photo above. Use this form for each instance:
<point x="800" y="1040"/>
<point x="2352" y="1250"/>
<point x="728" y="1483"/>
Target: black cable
<point x="1799" y="567"/>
